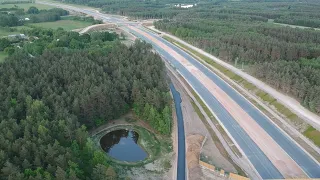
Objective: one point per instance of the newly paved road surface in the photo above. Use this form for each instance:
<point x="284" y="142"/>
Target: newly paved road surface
<point x="181" y="169"/>
<point x="310" y="167"/>
<point x="262" y="164"/>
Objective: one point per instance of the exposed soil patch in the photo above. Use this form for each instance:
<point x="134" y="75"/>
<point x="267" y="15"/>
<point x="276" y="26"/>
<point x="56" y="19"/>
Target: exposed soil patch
<point x="194" y="143"/>
<point x="212" y="148"/>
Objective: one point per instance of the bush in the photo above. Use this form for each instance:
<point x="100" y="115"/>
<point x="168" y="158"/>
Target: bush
<point x="4" y="43"/>
<point x="10" y="50"/>
<point x="33" y="10"/>
<point x="9" y="20"/>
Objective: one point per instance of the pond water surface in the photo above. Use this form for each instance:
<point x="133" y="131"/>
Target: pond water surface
<point x="122" y="145"/>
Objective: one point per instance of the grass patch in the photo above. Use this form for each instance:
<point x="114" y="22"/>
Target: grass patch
<point x="248" y="85"/>
<point x="313" y="135"/>
<point x="285" y="111"/>
<point x="3" y="55"/>
<point x="265" y="97"/>
<point x="65" y="24"/>
<point x="5" y="32"/>
<point x="11" y="31"/>
<point x="26" y="6"/>
<point x="288" y="113"/>
<point x="229" y="73"/>
<point x="237" y="78"/>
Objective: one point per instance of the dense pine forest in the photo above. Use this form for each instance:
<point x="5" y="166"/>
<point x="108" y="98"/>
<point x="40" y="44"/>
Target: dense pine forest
<point x="56" y="85"/>
<point x="62" y="84"/>
<point x="295" y="12"/>
<point x="244" y="32"/>
<point x="137" y="8"/>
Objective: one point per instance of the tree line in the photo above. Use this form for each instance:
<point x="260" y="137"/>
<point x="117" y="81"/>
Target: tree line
<point x="17" y="17"/>
<point x="301" y="21"/>
<point x="299" y="79"/>
<point x="9" y="20"/>
<point x="54" y="14"/>
<point x="138" y="9"/>
<point x="260" y="46"/>
<point x="282" y="11"/>
<point x="50" y="98"/>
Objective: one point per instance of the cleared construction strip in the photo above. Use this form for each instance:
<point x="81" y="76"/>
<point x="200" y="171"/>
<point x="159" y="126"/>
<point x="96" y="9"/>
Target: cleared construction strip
<point x="245" y="87"/>
<point x="264" y="166"/>
<point x="280" y="159"/>
<point x="309" y="132"/>
<point x="221" y="135"/>
<point x="312" y="118"/>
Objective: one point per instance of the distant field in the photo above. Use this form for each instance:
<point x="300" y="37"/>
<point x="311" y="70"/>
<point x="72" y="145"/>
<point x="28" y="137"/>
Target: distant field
<point x="65" y="24"/>
<point x="2" y="56"/>
<point x="26" y="6"/>
<point x="74" y="5"/>
<point x="6" y="33"/>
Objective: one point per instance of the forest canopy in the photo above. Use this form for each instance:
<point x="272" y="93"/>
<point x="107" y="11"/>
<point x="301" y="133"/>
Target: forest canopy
<point x="53" y="91"/>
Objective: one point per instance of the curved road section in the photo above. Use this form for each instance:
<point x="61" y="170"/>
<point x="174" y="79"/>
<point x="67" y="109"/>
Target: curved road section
<point x="181" y="169"/>
<point x="292" y="156"/>
<point x="272" y="152"/>
<point x="258" y="159"/>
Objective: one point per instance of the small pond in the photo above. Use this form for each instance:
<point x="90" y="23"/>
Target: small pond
<point x="122" y="145"/>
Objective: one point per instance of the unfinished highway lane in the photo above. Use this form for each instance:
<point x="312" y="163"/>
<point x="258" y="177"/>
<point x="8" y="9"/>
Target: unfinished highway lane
<point x="262" y="164"/>
<point x="181" y="169"/>
<point x="309" y="166"/>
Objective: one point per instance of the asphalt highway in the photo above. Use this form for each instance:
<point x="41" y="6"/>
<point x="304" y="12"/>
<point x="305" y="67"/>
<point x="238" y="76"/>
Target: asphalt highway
<point x="258" y="159"/>
<point x="181" y="164"/>
<point x="310" y="167"/>
<point x="262" y="164"/>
